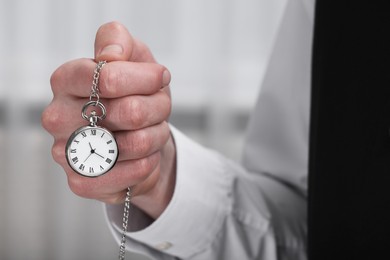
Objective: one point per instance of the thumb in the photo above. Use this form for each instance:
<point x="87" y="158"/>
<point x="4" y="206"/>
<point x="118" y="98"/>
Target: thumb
<point x="113" y="42"/>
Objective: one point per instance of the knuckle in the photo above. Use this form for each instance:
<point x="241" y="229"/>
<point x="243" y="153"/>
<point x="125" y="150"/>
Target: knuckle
<point x="144" y="167"/>
<point x="50" y="119"/>
<point x="132" y="114"/>
<point x="58" y="152"/>
<point x="141" y="143"/>
<point x="109" y="79"/>
<point x="79" y="187"/>
<point x="55" y="79"/>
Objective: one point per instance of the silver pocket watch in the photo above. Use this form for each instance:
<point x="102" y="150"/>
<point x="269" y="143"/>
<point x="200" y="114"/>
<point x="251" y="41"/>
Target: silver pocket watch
<point x="92" y="150"/>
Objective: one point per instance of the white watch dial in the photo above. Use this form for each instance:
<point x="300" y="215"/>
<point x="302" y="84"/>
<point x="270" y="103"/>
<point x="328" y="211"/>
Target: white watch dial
<point x="91" y="151"/>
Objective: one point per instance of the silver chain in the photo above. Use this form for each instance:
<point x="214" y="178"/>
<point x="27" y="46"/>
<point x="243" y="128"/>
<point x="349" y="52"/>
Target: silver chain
<point x="94" y="99"/>
<point x="126" y="211"/>
<point x="95" y="82"/>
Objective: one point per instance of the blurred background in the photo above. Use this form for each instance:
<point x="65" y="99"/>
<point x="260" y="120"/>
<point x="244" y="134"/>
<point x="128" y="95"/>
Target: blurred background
<point x="216" y="51"/>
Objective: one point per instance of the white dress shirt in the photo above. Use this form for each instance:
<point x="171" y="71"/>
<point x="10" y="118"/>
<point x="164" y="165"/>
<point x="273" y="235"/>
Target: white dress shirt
<point x="254" y="210"/>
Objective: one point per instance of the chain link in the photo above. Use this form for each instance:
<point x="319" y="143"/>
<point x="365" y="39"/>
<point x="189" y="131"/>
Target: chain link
<point x="125" y="219"/>
<point x="94" y="98"/>
<point x="95" y="82"/>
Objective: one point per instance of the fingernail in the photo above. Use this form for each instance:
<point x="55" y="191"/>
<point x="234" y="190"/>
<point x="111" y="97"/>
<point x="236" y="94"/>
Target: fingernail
<point x="112" y="49"/>
<point x="166" y="78"/>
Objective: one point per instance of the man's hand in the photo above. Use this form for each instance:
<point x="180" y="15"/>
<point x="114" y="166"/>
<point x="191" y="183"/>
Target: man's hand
<point x="135" y="91"/>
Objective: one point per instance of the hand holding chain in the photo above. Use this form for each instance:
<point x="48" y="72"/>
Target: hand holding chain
<point x="92" y="150"/>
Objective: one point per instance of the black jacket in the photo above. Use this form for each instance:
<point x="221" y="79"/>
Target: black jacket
<point x="349" y="168"/>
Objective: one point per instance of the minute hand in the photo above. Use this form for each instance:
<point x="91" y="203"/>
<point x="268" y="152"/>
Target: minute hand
<point x="99" y="155"/>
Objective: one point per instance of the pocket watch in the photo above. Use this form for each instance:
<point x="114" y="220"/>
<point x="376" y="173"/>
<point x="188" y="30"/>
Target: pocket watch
<point x="92" y="150"/>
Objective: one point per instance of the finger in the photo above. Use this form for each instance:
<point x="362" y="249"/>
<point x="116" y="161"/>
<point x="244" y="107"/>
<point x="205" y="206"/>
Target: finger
<point x="63" y="116"/>
<point x="142" y="143"/>
<point x="73" y="78"/>
<point x="124" y="174"/>
<point x="117" y="79"/>
<point x="113" y="42"/>
<point x="137" y="112"/>
<point x="133" y="145"/>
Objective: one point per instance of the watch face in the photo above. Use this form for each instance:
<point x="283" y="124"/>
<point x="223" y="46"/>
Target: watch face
<point x="91" y="151"/>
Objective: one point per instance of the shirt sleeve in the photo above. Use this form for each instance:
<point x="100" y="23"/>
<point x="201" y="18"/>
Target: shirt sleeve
<point x="218" y="211"/>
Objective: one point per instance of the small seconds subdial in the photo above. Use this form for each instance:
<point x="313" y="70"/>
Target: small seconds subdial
<point x="92" y="151"/>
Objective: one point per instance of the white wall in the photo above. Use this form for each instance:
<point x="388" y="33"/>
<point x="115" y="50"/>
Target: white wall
<point x="216" y="51"/>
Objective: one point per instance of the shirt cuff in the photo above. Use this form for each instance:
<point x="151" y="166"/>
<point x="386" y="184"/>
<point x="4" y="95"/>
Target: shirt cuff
<point x="200" y="203"/>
